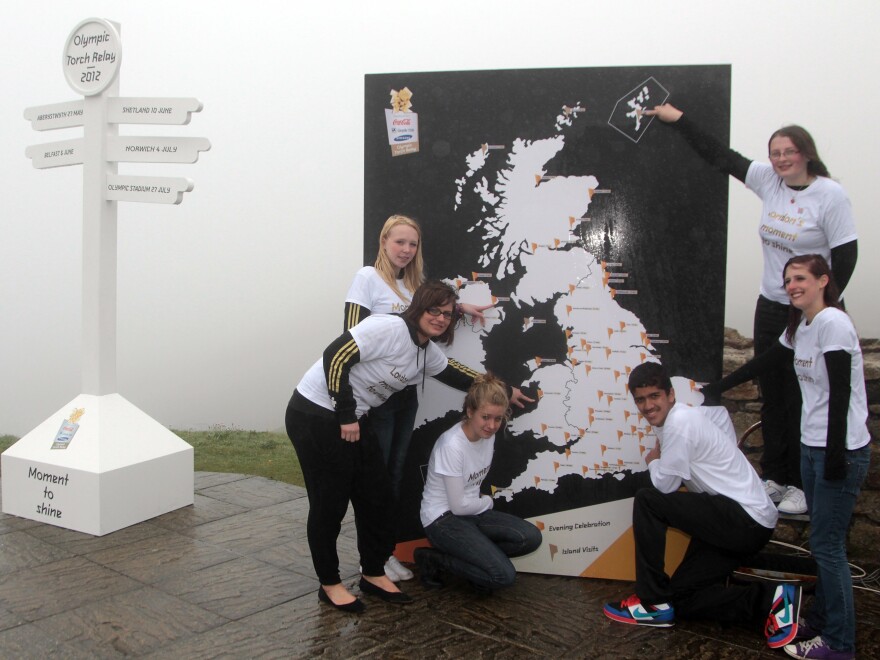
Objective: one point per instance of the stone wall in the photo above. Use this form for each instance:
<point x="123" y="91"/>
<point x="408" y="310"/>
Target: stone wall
<point x="744" y="404"/>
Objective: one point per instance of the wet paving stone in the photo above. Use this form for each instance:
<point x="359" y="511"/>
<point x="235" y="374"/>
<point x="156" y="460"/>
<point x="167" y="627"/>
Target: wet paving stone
<point x="19" y="550"/>
<point x="129" y="624"/>
<point x="43" y="591"/>
<point x="161" y="557"/>
<point x="231" y="577"/>
<point x="239" y="587"/>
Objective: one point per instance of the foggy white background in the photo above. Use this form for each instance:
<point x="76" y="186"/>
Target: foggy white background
<point x="226" y="299"/>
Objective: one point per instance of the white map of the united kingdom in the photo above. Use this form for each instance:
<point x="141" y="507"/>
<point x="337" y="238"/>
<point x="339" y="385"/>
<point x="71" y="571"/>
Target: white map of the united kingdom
<point x="527" y="225"/>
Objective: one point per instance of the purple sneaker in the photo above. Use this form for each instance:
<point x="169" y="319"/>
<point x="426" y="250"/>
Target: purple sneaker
<point x="817" y="649"/>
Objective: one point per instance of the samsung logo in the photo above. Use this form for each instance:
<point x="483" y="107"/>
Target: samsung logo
<point x="403" y="138"/>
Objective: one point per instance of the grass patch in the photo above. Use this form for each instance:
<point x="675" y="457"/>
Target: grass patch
<point x="228" y="449"/>
<point x="6" y="441"/>
<point x="259" y="453"/>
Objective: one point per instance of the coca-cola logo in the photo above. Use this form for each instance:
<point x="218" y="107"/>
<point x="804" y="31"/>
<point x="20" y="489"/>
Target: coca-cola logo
<point x="401" y="122"/>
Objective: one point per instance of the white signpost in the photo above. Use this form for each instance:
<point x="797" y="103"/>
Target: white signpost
<point x="100" y="464"/>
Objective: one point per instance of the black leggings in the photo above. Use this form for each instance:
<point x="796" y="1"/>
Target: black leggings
<point x="337" y="472"/>
<point x="781" y="412"/>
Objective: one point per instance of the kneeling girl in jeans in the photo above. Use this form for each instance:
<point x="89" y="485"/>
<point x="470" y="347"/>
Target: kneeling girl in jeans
<point x="469" y="538"/>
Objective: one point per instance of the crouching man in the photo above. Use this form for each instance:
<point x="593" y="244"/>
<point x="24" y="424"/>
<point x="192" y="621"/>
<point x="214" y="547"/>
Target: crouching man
<point x="725" y="510"/>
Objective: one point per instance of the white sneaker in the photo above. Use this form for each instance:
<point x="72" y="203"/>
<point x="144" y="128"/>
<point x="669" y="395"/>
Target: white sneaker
<point x="401" y="571"/>
<point x="774" y="491"/>
<point x="793" y="502"/>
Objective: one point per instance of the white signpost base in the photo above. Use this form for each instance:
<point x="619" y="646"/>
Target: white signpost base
<point x="121" y="467"/>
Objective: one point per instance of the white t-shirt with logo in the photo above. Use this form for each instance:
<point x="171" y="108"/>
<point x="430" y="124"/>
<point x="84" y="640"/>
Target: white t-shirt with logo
<point x="796" y="222"/>
<point x="830" y="330"/>
<point x="389" y="361"/>
<point x="456" y="456"/>
<point x="369" y="290"/>
<point x="696" y="450"/>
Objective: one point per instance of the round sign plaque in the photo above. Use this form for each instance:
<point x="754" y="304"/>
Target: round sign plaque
<point x="92" y="56"/>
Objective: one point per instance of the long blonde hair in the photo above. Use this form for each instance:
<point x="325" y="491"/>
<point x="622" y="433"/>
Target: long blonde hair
<point x="413" y="274"/>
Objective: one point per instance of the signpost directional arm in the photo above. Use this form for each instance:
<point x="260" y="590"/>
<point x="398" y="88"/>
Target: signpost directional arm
<point x="145" y="149"/>
<point x="161" y="110"/>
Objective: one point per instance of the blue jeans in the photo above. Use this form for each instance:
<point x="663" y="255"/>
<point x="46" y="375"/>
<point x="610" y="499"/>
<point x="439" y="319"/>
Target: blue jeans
<point x="393" y="423"/>
<point x="830" y="504"/>
<point x="477" y="547"/>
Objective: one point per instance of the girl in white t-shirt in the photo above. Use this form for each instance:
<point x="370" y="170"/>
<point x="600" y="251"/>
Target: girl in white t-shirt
<point x="469" y="538"/>
<point x="823" y="345"/>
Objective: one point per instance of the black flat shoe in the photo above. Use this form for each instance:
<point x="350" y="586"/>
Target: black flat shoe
<point x="396" y="597"/>
<point x="354" y="607"/>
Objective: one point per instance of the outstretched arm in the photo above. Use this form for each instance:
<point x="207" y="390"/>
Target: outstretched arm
<point x="461" y="378"/>
<point x="719" y="156"/>
<point x="773" y="358"/>
<point x="475" y="311"/>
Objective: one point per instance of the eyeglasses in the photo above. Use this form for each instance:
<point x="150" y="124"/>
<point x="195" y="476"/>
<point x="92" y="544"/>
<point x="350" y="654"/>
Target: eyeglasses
<point x="436" y="311"/>
<point x="788" y="153"/>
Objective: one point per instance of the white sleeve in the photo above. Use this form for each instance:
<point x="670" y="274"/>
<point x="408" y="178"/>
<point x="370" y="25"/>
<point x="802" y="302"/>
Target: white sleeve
<point x="458" y="504"/>
<point x="838" y="222"/>
<point x="664" y="482"/>
<point x="359" y="291"/>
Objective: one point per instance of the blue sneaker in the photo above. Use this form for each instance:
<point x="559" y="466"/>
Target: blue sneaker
<point x="634" y="612"/>
<point x="782" y="622"/>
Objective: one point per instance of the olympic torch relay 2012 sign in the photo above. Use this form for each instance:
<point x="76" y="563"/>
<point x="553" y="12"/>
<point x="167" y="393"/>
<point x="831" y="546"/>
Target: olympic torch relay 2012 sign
<point x="91" y="56"/>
